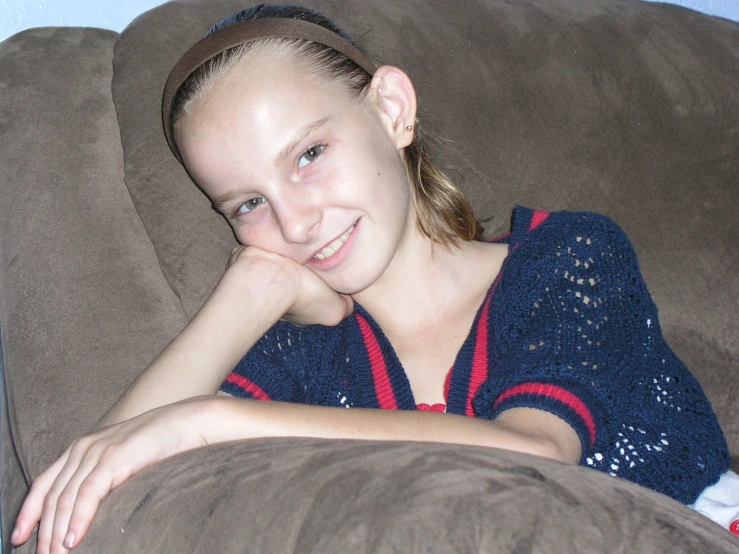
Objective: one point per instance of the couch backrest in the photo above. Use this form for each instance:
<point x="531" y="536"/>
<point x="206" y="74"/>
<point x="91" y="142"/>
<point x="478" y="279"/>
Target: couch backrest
<point x="617" y="106"/>
<point x="83" y="303"/>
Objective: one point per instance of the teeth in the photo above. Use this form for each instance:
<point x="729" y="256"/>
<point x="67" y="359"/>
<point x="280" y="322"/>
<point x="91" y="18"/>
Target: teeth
<point x="334" y="247"/>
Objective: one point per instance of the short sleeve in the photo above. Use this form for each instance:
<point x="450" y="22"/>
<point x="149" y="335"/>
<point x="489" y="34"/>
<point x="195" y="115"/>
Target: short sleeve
<point x="576" y="333"/>
<point x="276" y="367"/>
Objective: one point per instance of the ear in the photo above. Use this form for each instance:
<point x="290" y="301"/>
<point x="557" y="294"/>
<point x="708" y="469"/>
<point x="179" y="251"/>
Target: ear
<point x="395" y="98"/>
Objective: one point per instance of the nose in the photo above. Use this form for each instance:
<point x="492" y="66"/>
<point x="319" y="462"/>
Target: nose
<point x="298" y="217"/>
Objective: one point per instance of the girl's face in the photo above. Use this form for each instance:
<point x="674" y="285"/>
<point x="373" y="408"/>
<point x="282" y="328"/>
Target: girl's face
<point x="302" y="168"/>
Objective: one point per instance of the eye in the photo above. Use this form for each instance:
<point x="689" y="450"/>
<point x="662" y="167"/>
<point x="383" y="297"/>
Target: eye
<point x="311" y="155"/>
<point x="249" y="205"/>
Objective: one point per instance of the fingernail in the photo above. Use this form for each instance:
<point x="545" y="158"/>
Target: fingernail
<point x="69" y="540"/>
<point x="15" y="534"/>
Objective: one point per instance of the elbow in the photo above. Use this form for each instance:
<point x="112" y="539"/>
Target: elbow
<point x="548" y="447"/>
<point x="542" y="433"/>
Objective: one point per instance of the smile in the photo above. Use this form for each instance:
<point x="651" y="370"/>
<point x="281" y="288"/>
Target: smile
<point x="335" y="246"/>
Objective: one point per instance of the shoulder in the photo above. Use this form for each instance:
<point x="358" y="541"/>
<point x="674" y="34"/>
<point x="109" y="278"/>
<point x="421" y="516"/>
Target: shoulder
<point x="569" y="265"/>
<point x="535" y="226"/>
<point x="567" y="243"/>
<point x="288" y="363"/>
<point x="291" y="348"/>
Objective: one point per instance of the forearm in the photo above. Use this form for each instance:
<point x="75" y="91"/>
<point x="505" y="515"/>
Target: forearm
<point x="228" y="419"/>
<point x="198" y="360"/>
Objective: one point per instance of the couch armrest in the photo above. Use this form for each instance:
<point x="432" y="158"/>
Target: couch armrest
<point x="83" y="304"/>
<point x="13" y="483"/>
<point x="309" y="495"/>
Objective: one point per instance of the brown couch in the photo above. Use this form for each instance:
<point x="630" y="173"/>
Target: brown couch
<point x="106" y="249"/>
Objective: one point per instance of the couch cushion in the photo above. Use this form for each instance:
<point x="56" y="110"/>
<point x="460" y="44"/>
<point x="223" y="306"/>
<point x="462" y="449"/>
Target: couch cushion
<point x="84" y="305"/>
<point x="617" y="106"/>
<point x="191" y="240"/>
<point x="303" y="495"/>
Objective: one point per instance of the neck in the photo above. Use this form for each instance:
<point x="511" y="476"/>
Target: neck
<point x="427" y="283"/>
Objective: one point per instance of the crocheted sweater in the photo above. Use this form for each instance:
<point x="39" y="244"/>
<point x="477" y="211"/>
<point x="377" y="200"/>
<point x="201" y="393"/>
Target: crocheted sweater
<point x="568" y="326"/>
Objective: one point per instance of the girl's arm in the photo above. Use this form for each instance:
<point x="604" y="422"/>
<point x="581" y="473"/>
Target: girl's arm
<point x="146" y="424"/>
<point x="64" y="499"/>
<point x="520" y="429"/>
<point x="198" y="360"/>
<point x="256" y="291"/>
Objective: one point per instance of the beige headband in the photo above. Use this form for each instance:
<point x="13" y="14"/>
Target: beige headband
<point x="240" y="33"/>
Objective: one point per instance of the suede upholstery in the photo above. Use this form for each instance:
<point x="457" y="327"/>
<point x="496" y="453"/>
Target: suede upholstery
<point x="106" y="249"/>
<point x="300" y="495"/>
<point x="74" y="244"/>
<point x="622" y="108"/>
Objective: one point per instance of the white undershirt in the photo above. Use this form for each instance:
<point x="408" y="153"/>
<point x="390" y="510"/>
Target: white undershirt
<point x="720" y="502"/>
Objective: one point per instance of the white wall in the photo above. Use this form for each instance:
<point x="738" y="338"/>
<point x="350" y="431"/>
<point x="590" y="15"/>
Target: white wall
<point x="16" y="15"/>
<point x="724" y="8"/>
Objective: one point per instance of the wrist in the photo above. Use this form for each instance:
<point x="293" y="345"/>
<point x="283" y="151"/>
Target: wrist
<point x="220" y="418"/>
<point x="238" y="313"/>
<point x="201" y="417"/>
<point x="253" y="292"/>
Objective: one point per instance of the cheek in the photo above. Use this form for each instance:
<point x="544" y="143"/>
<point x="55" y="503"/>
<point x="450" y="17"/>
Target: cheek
<point x="266" y="235"/>
<point x="258" y="235"/>
<point x="384" y="172"/>
<point x="393" y="182"/>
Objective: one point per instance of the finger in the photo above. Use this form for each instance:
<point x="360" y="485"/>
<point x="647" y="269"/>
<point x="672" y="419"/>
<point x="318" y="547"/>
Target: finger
<point x="32" y="508"/>
<point x="109" y="473"/>
<point x="342" y="306"/>
<point x="91" y="492"/>
<point x="349" y="304"/>
<point x="62" y="534"/>
<point x="80" y="453"/>
<point x="235" y="253"/>
<point x="102" y="470"/>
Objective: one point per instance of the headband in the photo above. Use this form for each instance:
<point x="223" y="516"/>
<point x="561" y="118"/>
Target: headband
<point x="243" y="32"/>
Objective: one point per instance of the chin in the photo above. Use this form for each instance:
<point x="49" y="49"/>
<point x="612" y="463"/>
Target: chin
<point x="355" y="281"/>
<point x="351" y="288"/>
<point x="361" y="270"/>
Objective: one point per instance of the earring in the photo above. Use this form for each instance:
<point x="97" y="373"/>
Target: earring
<point x="409" y="127"/>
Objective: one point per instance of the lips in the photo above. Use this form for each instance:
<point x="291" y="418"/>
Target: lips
<point x="333" y="254"/>
<point x="334" y="247"/>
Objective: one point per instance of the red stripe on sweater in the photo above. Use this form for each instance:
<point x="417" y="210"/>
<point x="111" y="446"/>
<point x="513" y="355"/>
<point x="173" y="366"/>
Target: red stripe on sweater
<point x="499" y="238"/>
<point x="557" y="393"/>
<point x="249" y="386"/>
<point x="383" y="387"/>
<point x="537" y="219"/>
<point x="447" y="384"/>
<point x="479" y="373"/>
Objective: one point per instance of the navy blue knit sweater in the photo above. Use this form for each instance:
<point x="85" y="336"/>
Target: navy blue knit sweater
<point x="568" y="327"/>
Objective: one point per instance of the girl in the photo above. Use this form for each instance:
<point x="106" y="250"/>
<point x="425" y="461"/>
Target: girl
<point x="362" y="284"/>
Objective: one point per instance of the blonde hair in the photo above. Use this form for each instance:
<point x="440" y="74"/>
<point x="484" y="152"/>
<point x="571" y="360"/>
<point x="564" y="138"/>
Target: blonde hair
<point x="443" y="213"/>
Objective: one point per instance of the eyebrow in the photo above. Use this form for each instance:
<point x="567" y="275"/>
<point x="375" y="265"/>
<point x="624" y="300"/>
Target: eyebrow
<point x="300" y="137"/>
<point x="222" y="202"/>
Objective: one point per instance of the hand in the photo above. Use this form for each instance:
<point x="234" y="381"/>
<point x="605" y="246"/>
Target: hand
<point x="313" y="301"/>
<point x="65" y="497"/>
